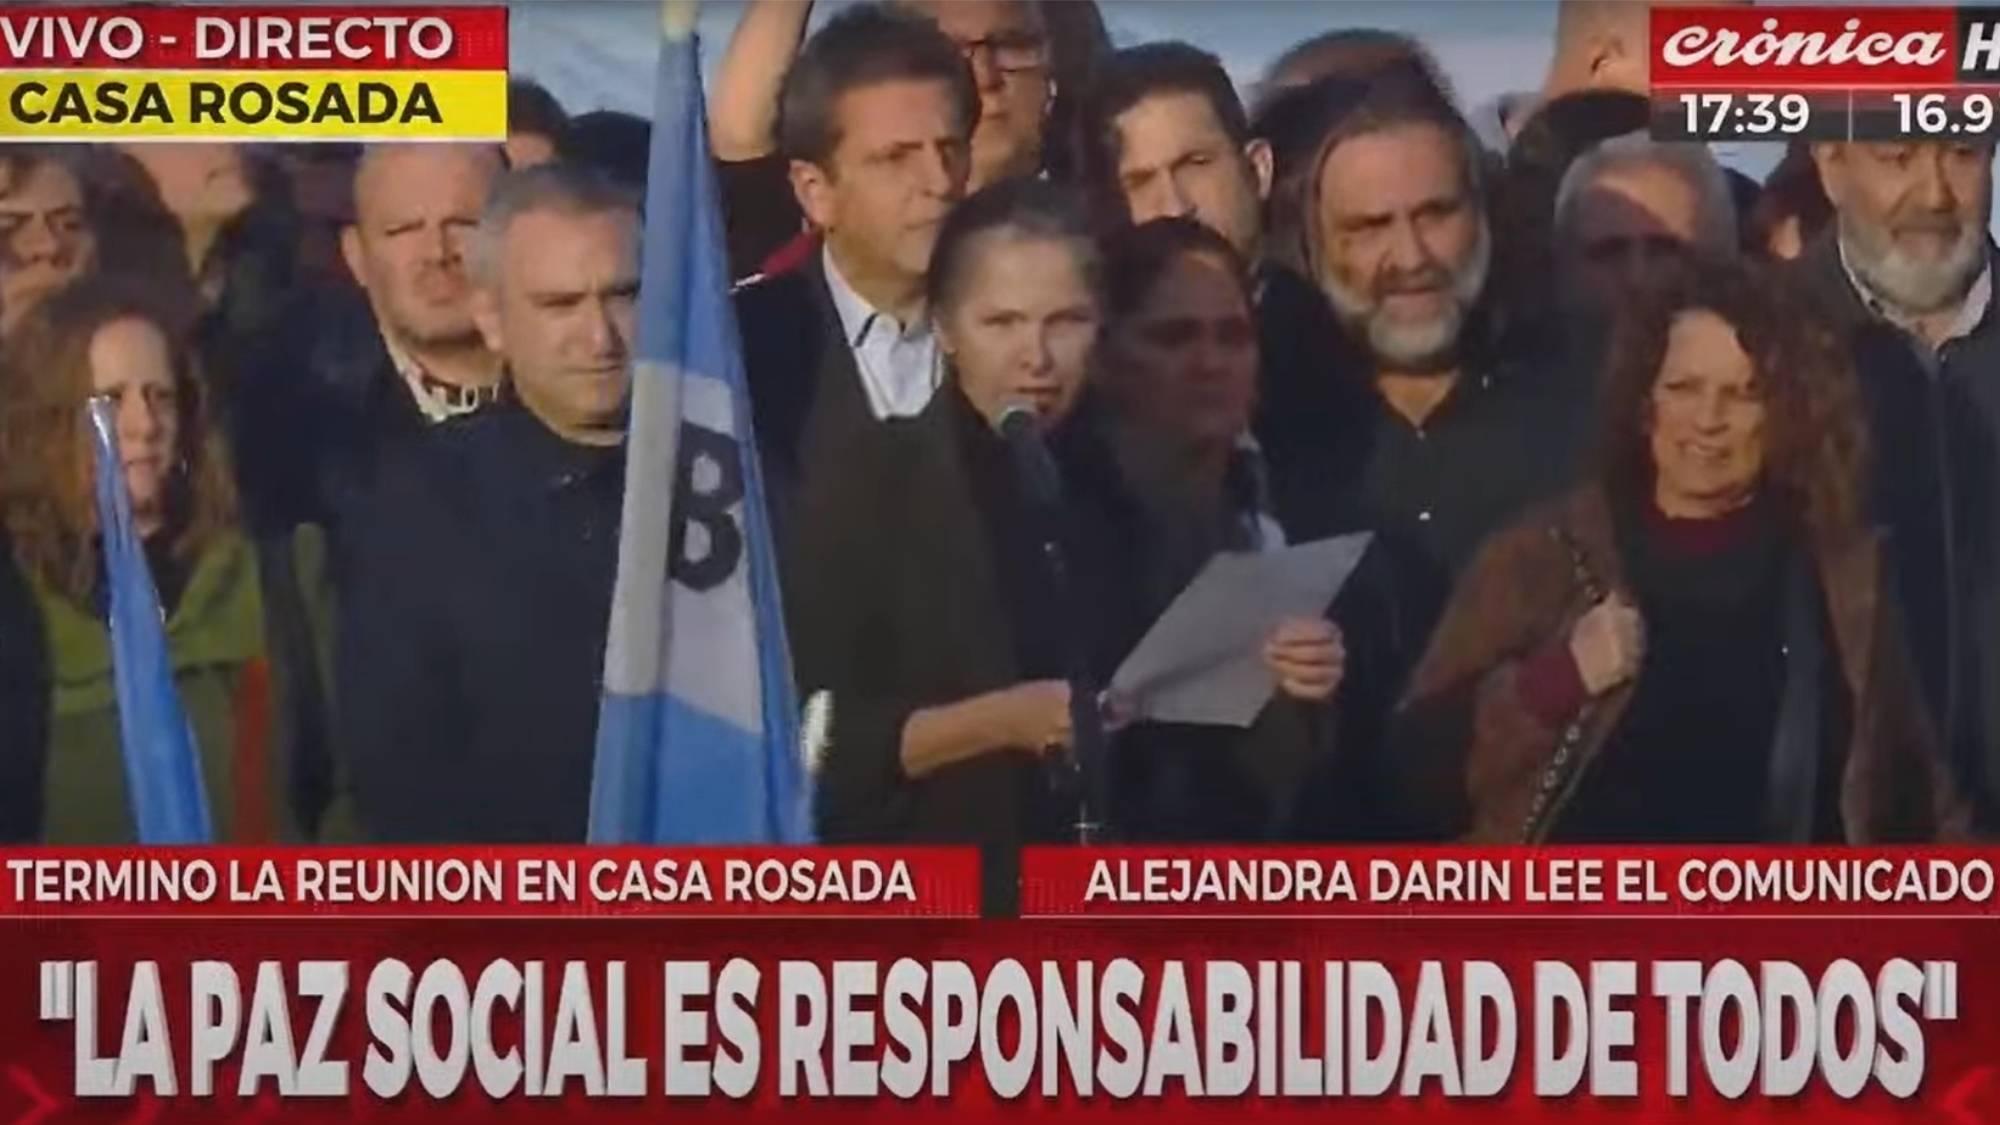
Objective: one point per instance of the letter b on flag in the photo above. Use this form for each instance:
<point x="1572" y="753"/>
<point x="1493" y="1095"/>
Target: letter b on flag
<point x="708" y="484"/>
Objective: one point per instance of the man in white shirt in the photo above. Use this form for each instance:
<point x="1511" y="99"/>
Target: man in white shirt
<point x="898" y="360"/>
<point x="414" y="207"/>
<point x="875" y="118"/>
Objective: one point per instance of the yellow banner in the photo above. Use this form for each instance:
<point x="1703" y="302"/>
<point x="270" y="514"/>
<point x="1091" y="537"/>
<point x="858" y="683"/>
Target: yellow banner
<point x="261" y="105"/>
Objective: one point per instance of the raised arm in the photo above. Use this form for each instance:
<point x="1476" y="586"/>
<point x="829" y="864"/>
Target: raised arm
<point x="743" y="104"/>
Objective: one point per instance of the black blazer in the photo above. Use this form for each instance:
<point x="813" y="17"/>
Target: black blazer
<point x="472" y="642"/>
<point x="1935" y="487"/>
<point x="934" y="593"/>
<point x="806" y="399"/>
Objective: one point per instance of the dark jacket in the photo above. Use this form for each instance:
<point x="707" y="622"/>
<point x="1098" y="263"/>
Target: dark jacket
<point x="1189" y="781"/>
<point x="1503" y="439"/>
<point x="935" y="593"/>
<point x="1476" y="760"/>
<point x="472" y="639"/>
<point x="806" y="397"/>
<point x="1306" y="382"/>
<point x="1936" y="491"/>
<point x="24" y="704"/>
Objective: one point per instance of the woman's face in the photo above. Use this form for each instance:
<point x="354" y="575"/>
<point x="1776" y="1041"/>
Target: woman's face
<point x="1707" y="420"/>
<point x="1021" y="328"/>
<point x="130" y="363"/>
<point x="1184" y="364"/>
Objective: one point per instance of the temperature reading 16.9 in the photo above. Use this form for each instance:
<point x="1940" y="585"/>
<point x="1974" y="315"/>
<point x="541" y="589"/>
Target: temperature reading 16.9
<point x="1960" y="114"/>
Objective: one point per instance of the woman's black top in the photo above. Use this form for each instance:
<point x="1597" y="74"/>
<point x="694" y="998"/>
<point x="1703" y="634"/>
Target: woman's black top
<point x="1691" y="759"/>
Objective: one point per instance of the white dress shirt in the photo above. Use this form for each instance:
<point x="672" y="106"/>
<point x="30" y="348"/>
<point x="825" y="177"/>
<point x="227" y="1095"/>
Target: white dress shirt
<point x="899" y="365"/>
<point x="436" y="400"/>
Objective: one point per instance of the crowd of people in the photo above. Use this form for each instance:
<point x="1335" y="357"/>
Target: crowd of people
<point x="1681" y="489"/>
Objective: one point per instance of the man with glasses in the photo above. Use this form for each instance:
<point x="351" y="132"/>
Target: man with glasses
<point x="1005" y="42"/>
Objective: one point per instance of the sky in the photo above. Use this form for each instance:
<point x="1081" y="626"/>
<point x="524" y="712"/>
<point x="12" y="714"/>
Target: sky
<point x="599" y="54"/>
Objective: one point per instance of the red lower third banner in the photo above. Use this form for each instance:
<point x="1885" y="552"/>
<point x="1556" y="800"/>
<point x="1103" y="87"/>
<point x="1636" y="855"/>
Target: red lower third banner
<point x="1835" y="993"/>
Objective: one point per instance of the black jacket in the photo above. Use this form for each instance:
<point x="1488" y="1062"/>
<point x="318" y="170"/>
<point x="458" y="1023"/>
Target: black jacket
<point x="472" y="640"/>
<point x="1190" y="781"/>
<point x="24" y="704"/>
<point x="806" y="398"/>
<point x="314" y="408"/>
<point x="935" y="593"/>
<point x="817" y="439"/>
<point x="1342" y="461"/>
<point x="1936" y="489"/>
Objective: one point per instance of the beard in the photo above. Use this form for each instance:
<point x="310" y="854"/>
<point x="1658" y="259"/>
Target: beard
<point x="1413" y="345"/>
<point x="1914" y="285"/>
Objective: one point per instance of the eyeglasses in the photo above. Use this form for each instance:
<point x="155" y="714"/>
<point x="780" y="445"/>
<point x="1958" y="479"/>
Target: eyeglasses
<point x="1010" y="52"/>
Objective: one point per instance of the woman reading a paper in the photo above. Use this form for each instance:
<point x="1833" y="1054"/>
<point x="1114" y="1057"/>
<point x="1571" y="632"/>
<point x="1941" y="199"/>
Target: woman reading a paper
<point x="932" y="648"/>
<point x="939" y="675"/>
<point x="1178" y="371"/>
<point x="1700" y="645"/>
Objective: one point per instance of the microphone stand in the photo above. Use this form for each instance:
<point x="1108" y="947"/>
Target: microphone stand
<point x="1084" y="761"/>
<point x="1042" y="489"/>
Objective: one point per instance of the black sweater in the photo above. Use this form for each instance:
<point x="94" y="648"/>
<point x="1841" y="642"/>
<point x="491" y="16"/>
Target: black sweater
<point x="1691" y="758"/>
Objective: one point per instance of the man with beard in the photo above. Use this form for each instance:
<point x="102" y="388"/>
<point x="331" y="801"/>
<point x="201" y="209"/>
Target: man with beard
<point x="1441" y="442"/>
<point x="1906" y="275"/>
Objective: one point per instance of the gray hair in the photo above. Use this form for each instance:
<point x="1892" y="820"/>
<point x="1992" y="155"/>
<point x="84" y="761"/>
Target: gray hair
<point x="1715" y="206"/>
<point x="567" y="189"/>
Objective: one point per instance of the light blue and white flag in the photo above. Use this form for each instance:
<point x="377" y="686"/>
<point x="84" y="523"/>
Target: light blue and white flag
<point x="163" y="781"/>
<point x="697" y="738"/>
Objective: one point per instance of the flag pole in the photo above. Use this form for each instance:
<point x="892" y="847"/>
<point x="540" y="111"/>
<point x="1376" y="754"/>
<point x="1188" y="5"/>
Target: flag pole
<point x="678" y="17"/>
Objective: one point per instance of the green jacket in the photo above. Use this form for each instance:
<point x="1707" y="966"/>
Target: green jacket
<point x="219" y="642"/>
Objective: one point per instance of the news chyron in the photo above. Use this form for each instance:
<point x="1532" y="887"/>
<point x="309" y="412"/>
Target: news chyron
<point x="1826" y="72"/>
<point x="228" y="73"/>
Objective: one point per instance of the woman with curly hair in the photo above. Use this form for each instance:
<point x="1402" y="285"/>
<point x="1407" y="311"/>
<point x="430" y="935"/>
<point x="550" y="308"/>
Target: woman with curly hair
<point x="108" y="337"/>
<point x="1701" y="643"/>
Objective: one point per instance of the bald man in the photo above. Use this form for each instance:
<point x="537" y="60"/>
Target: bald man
<point x="414" y="208"/>
<point x="391" y="357"/>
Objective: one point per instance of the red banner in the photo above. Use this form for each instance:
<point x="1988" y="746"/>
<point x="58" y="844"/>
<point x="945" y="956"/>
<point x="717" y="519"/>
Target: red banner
<point x="493" y="882"/>
<point x="1506" y="882"/>
<point x="307" y="37"/>
<point x="1582" y="1015"/>
<point x="1801" y="47"/>
<point x="835" y="1021"/>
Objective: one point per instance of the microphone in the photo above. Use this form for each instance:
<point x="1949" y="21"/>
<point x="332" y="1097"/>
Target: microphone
<point x="1081" y="770"/>
<point x="1021" y="427"/>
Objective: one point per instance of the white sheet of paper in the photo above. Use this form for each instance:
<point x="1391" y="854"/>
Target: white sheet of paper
<point x="1202" y="661"/>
